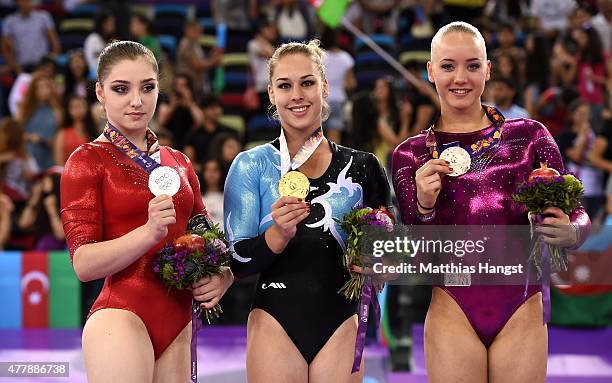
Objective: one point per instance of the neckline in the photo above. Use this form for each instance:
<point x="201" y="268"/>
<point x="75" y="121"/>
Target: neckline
<point x="334" y="150"/>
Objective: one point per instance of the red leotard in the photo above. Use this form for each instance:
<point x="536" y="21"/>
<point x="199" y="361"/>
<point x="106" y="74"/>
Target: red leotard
<point x="105" y="195"/>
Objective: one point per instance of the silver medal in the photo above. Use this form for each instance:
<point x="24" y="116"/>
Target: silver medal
<point x="459" y="159"/>
<point x="164" y="180"/>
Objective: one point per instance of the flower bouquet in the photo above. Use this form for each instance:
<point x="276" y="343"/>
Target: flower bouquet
<point x="545" y="188"/>
<point x="202" y="252"/>
<point x="352" y="223"/>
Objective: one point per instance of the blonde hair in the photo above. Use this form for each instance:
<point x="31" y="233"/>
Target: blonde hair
<point x="310" y="50"/>
<point x="460" y="27"/>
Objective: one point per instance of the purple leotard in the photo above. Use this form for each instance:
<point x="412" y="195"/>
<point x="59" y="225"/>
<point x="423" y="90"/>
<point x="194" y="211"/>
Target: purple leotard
<point x="483" y="197"/>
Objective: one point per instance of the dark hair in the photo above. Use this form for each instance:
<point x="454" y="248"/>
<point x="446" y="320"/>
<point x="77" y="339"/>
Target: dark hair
<point x="505" y="80"/>
<point x="186" y="77"/>
<point x="329" y="38"/>
<point x="88" y="121"/>
<point x="12" y="137"/>
<point x="203" y="185"/>
<point x="593" y="52"/>
<point x="70" y="79"/>
<point x="123" y="50"/>
<point x="208" y="100"/>
<point x="537" y="67"/>
<point x="144" y="20"/>
<point x="47" y="59"/>
<point x="101" y="18"/>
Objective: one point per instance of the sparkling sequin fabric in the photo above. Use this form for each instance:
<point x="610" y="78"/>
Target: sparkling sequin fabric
<point x="104" y="195"/>
<point x="483" y="197"/>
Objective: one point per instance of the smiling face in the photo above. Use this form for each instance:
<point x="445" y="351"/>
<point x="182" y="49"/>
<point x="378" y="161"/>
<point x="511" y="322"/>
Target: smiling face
<point x="459" y="69"/>
<point x="297" y="90"/>
<point x="129" y="94"/>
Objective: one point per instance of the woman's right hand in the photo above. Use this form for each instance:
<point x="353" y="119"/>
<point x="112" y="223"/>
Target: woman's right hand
<point x="429" y="181"/>
<point x="161" y="214"/>
<point x="287" y="212"/>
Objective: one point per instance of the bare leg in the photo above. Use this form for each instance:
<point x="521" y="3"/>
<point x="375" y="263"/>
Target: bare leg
<point x="174" y="363"/>
<point x="334" y="361"/>
<point x="453" y="351"/>
<point x="117" y="348"/>
<point x="518" y="353"/>
<point x="271" y="355"/>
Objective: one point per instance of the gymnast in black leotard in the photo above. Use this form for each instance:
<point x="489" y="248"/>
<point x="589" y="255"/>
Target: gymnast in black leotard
<point x="300" y="329"/>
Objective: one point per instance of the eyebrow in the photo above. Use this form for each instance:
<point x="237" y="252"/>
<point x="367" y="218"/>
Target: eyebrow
<point x="127" y="82"/>
<point x="472" y="59"/>
<point x="301" y="78"/>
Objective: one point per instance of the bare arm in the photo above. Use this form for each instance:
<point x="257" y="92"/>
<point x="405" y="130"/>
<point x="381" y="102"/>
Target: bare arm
<point x="58" y="149"/>
<point x="596" y="157"/>
<point x="9" y="55"/>
<point x="54" y="41"/>
<point x="100" y="259"/>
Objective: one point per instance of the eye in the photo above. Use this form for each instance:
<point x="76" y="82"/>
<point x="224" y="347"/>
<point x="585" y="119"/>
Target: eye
<point x="284" y="85"/>
<point x="149" y="88"/>
<point x="447" y="67"/>
<point x="474" y="67"/>
<point x="120" y="89"/>
<point x="308" y="83"/>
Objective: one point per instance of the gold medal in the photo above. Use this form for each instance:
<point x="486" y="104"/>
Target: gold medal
<point x="294" y="184"/>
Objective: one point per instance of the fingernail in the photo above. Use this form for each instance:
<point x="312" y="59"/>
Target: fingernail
<point x="448" y="163"/>
<point x="451" y="169"/>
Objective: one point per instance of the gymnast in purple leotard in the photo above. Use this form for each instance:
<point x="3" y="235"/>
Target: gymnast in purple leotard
<point x="479" y="333"/>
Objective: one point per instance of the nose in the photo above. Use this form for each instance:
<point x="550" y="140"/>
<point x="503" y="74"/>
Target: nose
<point x="296" y="93"/>
<point x="460" y="76"/>
<point x="136" y="101"/>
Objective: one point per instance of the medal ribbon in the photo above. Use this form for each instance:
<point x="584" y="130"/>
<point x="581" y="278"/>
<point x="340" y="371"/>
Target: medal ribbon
<point x="302" y="155"/>
<point x="488" y="141"/>
<point x="141" y="158"/>
<point x="368" y="296"/>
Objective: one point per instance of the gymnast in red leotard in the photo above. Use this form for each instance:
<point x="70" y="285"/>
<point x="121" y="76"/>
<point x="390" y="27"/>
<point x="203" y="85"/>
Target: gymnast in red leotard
<point x="137" y="330"/>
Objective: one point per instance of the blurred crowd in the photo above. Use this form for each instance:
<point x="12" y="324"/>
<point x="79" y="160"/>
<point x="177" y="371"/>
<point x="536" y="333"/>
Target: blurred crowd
<point x="550" y="62"/>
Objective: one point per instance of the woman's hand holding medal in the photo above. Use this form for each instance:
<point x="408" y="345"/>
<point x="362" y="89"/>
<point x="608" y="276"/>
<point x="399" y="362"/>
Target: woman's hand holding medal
<point x="161" y="214"/>
<point x="429" y="183"/>
<point x="287" y="212"/>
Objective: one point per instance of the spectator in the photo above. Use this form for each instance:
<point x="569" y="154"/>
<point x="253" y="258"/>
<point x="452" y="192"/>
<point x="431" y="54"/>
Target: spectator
<point x="575" y="145"/>
<point x="537" y="71"/>
<point x="422" y="97"/>
<point x="212" y="190"/>
<point x="6" y="211"/>
<point x="602" y="22"/>
<point x="97" y="40"/>
<point x="141" y="30"/>
<point x="179" y="112"/>
<point x="28" y="35"/>
<point x="79" y="128"/>
<point x="236" y="14"/>
<point x="47" y="67"/>
<point x="374" y="16"/>
<point x="590" y="72"/>
<point x="198" y="141"/>
<point x="507" y="66"/>
<point x="191" y="59"/>
<point x="76" y="82"/>
<point x="18" y="168"/>
<point x="225" y="147"/>
<point x="552" y="15"/>
<point x="379" y="125"/>
<point x="41" y="215"/>
<point x="260" y="49"/>
<point x="339" y="65"/>
<point x="503" y="93"/>
<point x="292" y="20"/>
<point x="40" y="115"/>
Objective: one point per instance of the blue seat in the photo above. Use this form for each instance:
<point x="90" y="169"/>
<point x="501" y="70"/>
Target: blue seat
<point x="261" y="122"/>
<point x="84" y="10"/>
<point x="168" y="43"/>
<point x="170" y="9"/>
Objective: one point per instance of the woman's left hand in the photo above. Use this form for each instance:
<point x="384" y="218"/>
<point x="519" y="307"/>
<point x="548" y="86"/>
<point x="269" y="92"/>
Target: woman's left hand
<point x="378" y="279"/>
<point x="556" y="230"/>
<point x="209" y="290"/>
